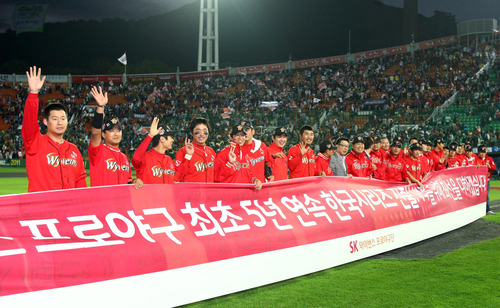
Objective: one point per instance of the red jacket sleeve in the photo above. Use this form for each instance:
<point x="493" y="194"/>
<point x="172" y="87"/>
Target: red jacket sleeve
<point x="294" y="157"/>
<point x="30" y="123"/>
<point x="181" y="165"/>
<point x="139" y="152"/>
<point x="223" y="168"/>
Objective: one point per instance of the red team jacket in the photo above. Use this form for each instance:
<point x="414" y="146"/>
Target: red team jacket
<point x="153" y="167"/>
<point x="279" y="165"/>
<point x="49" y="165"/>
<point x="435" y="156"/>
<point x="358" y="165"/>
<point x="378" y="158"/>
<point x="426" y="162"/>
<point x="108" y="166"/>
<point x="258" y="153"/>
<point x="200" y="168"/>
<point x="323" y="164"/>
<point x="395" y="168"/>
<point x="239" y="172"/>
<point x="301" y="165"/>
<point x="487" y="159"/>
<point x="471" y="161"/>
<point x="456" y="162"/>
<point x="414" y="167"/>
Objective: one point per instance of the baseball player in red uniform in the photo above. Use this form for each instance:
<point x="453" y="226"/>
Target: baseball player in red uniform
<point x="195" y="162"/>
<point x="326" y="149"/>
<point x="484" y="160"/>
<point x="232" y="165"/>
<point x="385" y="145"/>
<point x="52" y="163"/>
<point x="153" y="166"/>
<point x="424" y="160"/>
<point x="279" y="160"/>
<point x="470" y="158"/>
<point x="258" y="153"/>
<point x="395" y="166"/>
<point x="414" y="165"/>
<point x="453" y="160"/>
<point x="438" y="156"/>
<point x="377" y="157"/>
<point x="301" y="158"/>
<point x="108" y="165"/>
<point x="357" y="163"/>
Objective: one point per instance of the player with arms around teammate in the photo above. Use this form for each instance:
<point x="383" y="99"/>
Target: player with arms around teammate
<point x="195" y="162"/>
<point x="153" y="166"/>
<point x="108" y="165"/>
<point x="52" y="163"/>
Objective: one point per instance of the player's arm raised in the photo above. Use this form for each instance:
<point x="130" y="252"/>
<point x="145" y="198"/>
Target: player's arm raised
<point x="102" y="100"/>
<point x="30" y="126"/>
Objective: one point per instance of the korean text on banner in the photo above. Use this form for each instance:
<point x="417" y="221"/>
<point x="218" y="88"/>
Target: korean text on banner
<point x="73" y="237"/>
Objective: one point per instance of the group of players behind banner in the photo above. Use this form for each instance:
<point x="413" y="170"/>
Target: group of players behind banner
<point x="53" y="163"/>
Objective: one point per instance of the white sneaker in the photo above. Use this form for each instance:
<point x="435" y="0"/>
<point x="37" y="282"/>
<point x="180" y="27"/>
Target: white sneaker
<point x="490" y="213"/>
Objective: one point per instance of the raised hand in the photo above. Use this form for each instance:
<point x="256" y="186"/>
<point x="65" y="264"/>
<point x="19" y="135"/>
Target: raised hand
<point x="34" y="81"/>
<point x="303" y="149"/>
<point x="442" y="159"/>
<point x="189" y="146"/>
<point x="154" y="129"/>
<point x="232" y="156"/>
<point x="100" y="98"/>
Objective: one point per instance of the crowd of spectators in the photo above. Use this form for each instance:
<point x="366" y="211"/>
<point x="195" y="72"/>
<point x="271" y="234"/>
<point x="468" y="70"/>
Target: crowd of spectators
<point x="409" y="88"/>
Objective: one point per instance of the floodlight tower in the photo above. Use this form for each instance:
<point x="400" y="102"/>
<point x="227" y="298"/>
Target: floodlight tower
<point x="209" y="34"/>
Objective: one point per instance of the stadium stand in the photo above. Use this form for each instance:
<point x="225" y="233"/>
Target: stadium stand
<point x="389" y="96"/>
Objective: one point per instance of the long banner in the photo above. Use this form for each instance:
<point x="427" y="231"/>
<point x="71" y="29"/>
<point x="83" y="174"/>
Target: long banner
<point x="381" y="52"/>
<point x="175" y="244"/>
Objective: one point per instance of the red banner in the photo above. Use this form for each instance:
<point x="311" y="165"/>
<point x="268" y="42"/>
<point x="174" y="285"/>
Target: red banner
<point x="319" y="61"/>
<point x="439" y="42"/>
<point x="204" y="74"/>
<point x="73" y="237"/>
<point x="150" y="77"/>
<point x="381" y="52"/>
<point x="93" y="79"/>
<point x="260" y="68"/>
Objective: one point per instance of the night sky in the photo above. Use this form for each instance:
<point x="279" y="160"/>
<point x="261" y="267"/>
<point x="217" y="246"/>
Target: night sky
<point x="64" y="10"/>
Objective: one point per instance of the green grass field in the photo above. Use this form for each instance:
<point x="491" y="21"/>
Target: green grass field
<point x="468" y="277"/>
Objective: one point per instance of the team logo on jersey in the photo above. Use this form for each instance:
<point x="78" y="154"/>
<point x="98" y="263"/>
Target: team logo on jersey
<point x="306" y="160"/>
<point x="376" y="160"/>
<point x="398" y="166"/>
<point x="74" y="155"/>
<point x="201" y="166"/>
<point x="113" y="166"/>
<point x="159" y="172"/>
<point x="359" y="166"/>
<point x="257" y="160"/>
<point x="54" y="161"/>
